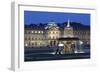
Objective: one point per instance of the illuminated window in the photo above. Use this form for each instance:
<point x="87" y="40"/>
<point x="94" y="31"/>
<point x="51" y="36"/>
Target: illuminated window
<point x="39" y="31"/>
<point x="35" y="31"/>
<point x="39" y="43"/>
<point x="32" y="31"/>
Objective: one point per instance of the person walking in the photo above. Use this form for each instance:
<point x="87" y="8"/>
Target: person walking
<point x="59" y="48"/>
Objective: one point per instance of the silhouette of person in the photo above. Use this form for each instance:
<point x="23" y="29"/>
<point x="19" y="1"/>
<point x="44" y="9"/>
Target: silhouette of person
<point x="59" y="48"/>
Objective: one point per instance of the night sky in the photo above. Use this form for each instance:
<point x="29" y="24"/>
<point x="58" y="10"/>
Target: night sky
<point x="33" y="17"/>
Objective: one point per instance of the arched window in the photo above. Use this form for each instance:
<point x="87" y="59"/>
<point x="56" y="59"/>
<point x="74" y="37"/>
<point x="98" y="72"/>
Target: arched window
<point x="29" y="38"/>
<point x="25" y="38"/>
<point x="35" y="38"/>
<point x="57" y="32"/>
<point x="53" y="37"/>
<point x="35" y="43"/>
<point x="32" y="38"/>
<point x="32" y="44"/>
<point x="39" y="38"/>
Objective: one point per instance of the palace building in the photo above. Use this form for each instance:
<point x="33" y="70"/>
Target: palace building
<point x="52" y="34"/>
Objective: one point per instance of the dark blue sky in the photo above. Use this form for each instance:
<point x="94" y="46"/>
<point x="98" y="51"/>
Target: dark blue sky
<point x="33" y="17"/>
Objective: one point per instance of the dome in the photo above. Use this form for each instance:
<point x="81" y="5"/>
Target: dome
<point x="51" y="24"/>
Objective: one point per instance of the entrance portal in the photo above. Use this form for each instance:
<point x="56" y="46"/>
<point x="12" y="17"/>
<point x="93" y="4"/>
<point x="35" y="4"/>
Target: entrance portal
<point x="53" y="43"/>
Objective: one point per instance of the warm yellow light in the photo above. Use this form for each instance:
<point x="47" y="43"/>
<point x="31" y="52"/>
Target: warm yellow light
<point x="39" y="32"/>
<point x="35" y="31"/>
<point x="32" y="31"/>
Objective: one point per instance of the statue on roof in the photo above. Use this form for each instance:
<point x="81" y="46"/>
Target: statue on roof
<point x="51" y="24"/>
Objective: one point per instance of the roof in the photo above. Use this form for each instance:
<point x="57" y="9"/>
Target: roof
<point x="74" y="25"/>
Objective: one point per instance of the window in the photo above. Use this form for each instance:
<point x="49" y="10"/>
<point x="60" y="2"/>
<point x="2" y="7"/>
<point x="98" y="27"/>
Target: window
<point x="32" y="44"/>
<point x="26" y="44"/>
<point x="35" y="43"/>
<point x="32" y="31"/>
<point x="32" y="38"/>
<point x="53" y="37"/>
<point x="29" y="38"/>
<point x="56" y="32"/>
<point x="49" y="32"/>
<point x="25" y="38"/>
<point x="28" y="32"/>
<point x="42" y="39"/>
<point x="35" y="31"/>
<point x="39" y="31"/>
<point x="35" y="38"/>
<point x="39" y="38"/>
<point x="29" y="43"/>
<point x="39" y="43"/>
<point x="49" y="37"/>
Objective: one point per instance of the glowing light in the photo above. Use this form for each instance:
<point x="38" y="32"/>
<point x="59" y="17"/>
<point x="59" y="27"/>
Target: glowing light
<point x="32" y="31"/>
<point x="26" y="44"/>
<point x="81" y="42"/>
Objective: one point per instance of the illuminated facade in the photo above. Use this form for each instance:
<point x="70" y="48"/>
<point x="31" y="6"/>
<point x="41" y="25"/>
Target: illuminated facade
<point x="49" y="35"/>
